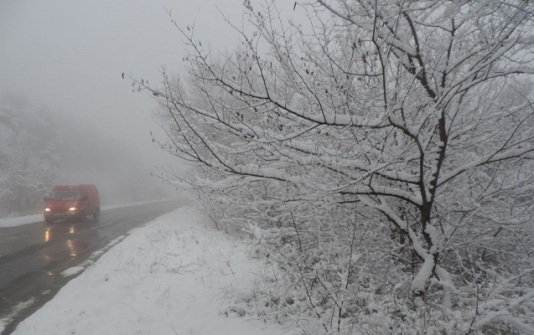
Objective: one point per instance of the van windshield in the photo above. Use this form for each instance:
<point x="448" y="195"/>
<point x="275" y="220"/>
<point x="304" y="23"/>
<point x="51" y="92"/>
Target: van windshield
<point x="65" y="195"/>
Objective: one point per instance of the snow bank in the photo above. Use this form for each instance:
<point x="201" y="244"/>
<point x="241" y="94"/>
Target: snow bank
<point x="72" y="271"/>
<point x="165" y="278"/>
<point x="20" y="220"/>
<point x="14" y="311"/>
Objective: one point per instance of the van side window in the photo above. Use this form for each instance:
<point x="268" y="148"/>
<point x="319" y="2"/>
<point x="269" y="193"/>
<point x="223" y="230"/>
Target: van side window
<point x="83" y="194"/>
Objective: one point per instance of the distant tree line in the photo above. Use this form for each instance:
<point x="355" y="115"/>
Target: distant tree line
<point x="40" y="148"/>
<point x="29" y="156"/>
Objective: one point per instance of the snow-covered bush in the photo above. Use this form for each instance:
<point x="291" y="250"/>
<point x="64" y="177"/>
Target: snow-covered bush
<point x="380" y="157"/>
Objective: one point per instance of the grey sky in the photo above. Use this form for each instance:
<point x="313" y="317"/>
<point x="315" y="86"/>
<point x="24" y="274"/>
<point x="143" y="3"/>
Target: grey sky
<point x="68" y="55"/>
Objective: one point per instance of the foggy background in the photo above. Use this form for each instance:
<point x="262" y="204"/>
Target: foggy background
<point x="66" y="114"/>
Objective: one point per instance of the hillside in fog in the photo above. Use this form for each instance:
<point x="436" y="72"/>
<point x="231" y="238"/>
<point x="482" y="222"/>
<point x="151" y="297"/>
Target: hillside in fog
<point x="40" y="148"/>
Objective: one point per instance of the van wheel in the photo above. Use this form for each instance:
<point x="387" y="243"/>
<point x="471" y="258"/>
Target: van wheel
<point x="96" y="214"/>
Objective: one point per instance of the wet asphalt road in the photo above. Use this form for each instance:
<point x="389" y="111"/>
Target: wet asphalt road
<point x="32" y="256"/>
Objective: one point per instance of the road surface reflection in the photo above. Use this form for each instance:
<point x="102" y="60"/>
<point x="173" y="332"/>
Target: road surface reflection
<point x="67" y="240"/>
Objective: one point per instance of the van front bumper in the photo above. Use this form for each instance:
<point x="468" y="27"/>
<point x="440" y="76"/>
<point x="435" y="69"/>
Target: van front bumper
<point x="62" y="215"/>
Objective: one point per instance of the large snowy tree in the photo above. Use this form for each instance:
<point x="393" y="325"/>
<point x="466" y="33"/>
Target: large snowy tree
<point x="384" y="150"/>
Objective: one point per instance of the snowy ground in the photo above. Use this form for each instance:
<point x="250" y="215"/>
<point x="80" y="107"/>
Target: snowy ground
<point x="168" y="277"/>
<point x="20" y="220"/>
<point x="27" y="219"/>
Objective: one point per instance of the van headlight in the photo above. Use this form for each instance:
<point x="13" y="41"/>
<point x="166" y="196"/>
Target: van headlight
<point x="72" y="209"/>
<point x="47" y="209"/>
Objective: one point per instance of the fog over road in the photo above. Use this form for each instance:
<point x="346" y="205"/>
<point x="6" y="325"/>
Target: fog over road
<point x="33" y="256"/>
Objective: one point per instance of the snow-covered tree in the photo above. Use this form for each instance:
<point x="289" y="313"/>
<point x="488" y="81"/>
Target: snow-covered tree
<point x="28" y="156"/>
<point x="381" y="155"/>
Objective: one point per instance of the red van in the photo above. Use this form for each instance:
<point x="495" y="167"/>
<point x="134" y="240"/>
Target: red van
<point x="72" y="201"/>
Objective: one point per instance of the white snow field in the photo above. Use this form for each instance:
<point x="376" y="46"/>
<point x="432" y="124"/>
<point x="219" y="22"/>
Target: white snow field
<point x="168" y="277"/>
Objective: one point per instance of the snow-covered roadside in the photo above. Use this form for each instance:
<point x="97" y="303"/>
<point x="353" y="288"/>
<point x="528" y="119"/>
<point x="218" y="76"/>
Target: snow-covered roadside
<point x="27" y="219"/>
<point x="20" y="220"/>
<point x="167" y="277"/>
